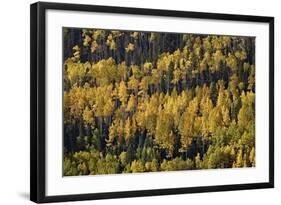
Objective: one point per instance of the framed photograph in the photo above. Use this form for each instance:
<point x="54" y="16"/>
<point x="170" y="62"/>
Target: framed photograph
<point x="129" y="102"/>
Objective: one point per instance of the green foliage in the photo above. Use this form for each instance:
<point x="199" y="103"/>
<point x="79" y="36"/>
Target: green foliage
<point x="176" y="164"/>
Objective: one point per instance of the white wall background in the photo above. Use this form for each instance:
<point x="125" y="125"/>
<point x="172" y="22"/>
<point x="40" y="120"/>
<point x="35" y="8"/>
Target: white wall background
<point x="14" y="100"/>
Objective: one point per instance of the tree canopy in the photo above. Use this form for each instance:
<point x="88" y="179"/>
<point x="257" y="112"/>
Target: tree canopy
<point x="146" y="102"/>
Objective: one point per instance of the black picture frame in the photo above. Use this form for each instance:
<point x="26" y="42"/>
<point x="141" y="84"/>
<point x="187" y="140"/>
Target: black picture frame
<point x="38" y="101"/>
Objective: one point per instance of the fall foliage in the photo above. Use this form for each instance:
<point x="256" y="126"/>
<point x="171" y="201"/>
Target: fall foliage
<point x="148" y="102"/>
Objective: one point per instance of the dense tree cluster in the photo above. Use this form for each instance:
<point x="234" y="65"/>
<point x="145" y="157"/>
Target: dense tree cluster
<point x="145" y="102"/>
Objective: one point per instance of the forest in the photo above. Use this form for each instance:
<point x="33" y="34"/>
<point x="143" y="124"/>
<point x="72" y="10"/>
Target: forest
<point x="136" y="101"/>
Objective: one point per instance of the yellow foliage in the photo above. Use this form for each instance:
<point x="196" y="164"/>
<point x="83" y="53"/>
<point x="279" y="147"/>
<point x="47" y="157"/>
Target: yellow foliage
<point x="130" y="47"/>
<point x="88" y="116"/>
